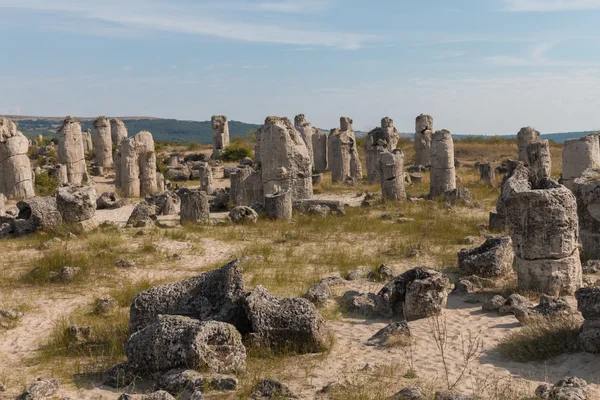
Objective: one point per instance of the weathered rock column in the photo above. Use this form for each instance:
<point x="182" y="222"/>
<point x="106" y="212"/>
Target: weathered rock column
<point x="587" y="191"/>
<point x="102" y="139"/>
<point x="278" y="205"/>
<point x="423" y="133"/>
<point x="147" y="160"/>
<point x="16" y="177"/>
<point x="206" y="178"/>
<point x="88" y="145"/>
<point x="129" y="169"/>
<point x="443" y="175"/>
<point x="194" y="206"/>
<point x="246" y="187"/>
<point x="542" y="221"/>
<point x="355" y="165"/>
<point x="285" y="162"/>
<point x="524" y="137"/>
<point x="160" y="182"/>
<point x="338" y="158"/>
<point x="306" y="132"/>
<point x="70" y="151"/>
<point x="588" y="303"/>
<point x="540" y="160"/>
<point x="384" y="137"/>
<point x="579" y="155"/>
<point x="220" y="128"/>
<point x="487" y="174"/>
<point x="319" y="147"/>
<point x="118" y="131"/>
<point x="391" y="171"/>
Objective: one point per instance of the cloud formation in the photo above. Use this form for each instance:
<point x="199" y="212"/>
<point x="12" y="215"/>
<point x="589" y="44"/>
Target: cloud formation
<point x="551" y="5"/>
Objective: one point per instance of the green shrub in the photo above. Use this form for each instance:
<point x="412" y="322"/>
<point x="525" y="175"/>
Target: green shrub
<point x="237" y="149"/>
<point x="45" y="185"/>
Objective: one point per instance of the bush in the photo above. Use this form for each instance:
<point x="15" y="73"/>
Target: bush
<point x="237" y="149"/>
<point x="45" y="185"/>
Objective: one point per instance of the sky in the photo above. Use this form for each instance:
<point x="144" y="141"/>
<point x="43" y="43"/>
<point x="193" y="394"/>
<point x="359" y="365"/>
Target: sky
<point x="476" y="66"/>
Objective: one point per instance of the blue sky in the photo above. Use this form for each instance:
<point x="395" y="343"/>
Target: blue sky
<point x="477" y="66"/>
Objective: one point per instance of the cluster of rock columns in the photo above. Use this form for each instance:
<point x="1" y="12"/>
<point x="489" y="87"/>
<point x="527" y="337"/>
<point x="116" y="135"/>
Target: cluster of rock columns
<point x="71" y="152"/>
<point x="136" y="166"/>
<point x="16" y="179"/>
<point x="343" y="160"/>
<point x="384" y="137"/>
<point x="579" y="155"/>
<point x="443" y="174"/>
<point x="102" y="139"/>
<point x="220" y="126"/>
<point x="526" y="136"/>
<point x="422" y="144"/>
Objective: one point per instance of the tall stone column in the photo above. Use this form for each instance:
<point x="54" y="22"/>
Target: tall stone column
<point x="540" y="160"/>
<point x="70" y="151"/>
<point x="306" y="132"/>
<point x="129" y="169"/>
<point x="443" y="174"/>
<point x="422" y="143"/>
<point x="118" y="131"/>
<point x="102" y="139"/>
<point x="206" y="178"/>
<point x="246" y="187"/>
<point x="338" y="158"/>
<point x="319" y="146"/>
<point x="88" y="146"/>
<point x="524" y="137"/>
<point x="16" y="178"/>
<point x="194" y="206"/>
<point x="147" y="160"/>
<point x="391" y="171"/>
<point x="384" y="137"/>
<point x="579" y="155"/>
<point x="220" y="127"/>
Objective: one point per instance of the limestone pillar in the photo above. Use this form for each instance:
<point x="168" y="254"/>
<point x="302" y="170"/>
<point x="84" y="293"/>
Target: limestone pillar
<point x="422" y="144"/>
<point x="487" y="174"/>
<point x="118" y="131"/>
<point x="194" y="206"/>
<point x="16" y="177"/>
<point x="206" y="178"/>
<point x="246" y="187"/>
<point x="88" y="146"/>
<point x="306" y="132"/>
<point x="147" y="162"/>
<point x="71" y="151"/>
<point x="220" y="128"/>
<point x="391" y="172"/>
<point x="443" y="176"/>
<point x="101" y="137"/>
<point x="278" y="205"/>
<point x="319" y="147"/>
<point x="384" y="137"/>
<point x="540" y="160"/>
<point x="524" y="137"/>
<point x="578" y="155"/>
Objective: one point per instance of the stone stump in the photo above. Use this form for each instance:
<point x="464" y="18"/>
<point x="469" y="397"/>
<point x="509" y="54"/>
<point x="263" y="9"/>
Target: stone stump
<point x="579" y="155"/>
<point x="278" y="205"/>
<point x="102" y="139"/>
<point x="194" y="206"/>
<point x="443" y="176"/>
<point x="319" y="148"/>
<point x="422" y="144"/>
<point x="206" y="178"/>
<point x="70" y="151"/>
<point x="587" y="191"/>
<point x="526" y="136"/>
<point x="540" y="161"/>
<point x="118" y="131"/>
<point x="343" y="159"/>
<point x="246" y="187"/>
<point x="588" y="303"/>
<point x="220" y="127"/>
<point x="487" y="174"/>
<point x="306" y="132"/>
<point x="391" y="171"/>
<point x="16" y="176"/>
<point x="381" y="138"/>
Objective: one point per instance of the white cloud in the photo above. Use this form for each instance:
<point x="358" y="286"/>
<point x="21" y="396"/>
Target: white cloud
<point x="195" y="19"/>
<point x="551" y="5"/>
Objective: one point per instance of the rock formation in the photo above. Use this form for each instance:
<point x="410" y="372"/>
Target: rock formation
<point x="542" y="221"/>
<point x="588" y="303"/>
<point x="71" y="152"/>
<point x="102" y="139"/>
<point x="206" y="178"/>
<point x="77" y="205"/>
<point x="118" y="131"/>
<point x="279" y="205"/>
<point x="579" y="155"/>
<point x="493" y="259"/>
<point x="136" y="166"/>
<point x="384" y="137"/>
<point x="194" y="206"/>
<point x="306" y="132"/>
<point x="342" y="157"/>
<point x="220" y="128"/>
<point x="284" y="159"/>
<point x="319" y="148"/>
<point x="423" y="133"/>
<point x="443" y="176"/>
<point x="246" y="187"/>
<point x="587" y="191"/>
<point x="16" y="178"/>
<point x="88" y="145"/>
<point x="526" y="136"/>
<point x="487" y="173"/>
<point x="391" y="174"/>
<point x="540" y="161"/>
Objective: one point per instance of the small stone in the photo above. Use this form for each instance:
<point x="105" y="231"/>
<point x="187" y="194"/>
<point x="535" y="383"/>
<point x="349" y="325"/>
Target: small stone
<point x="411" y="393"/>
<point x="122" y="263"/>
<point x="272" y="389"/>
<point x="40" y="389"/>
<point x="413" y="253"/>
<point x="79" y="334"/>
<point x="513" y="302"/>
<point x="405" y="220"/>
<point x="318" y="294"/>
<point x="396" y="333"/>
<point x="66" y="274"/>
<point x="106" y="305"/>
<point x="356" y="274"/>
<point x="493" y="304"/>
<point x="591" y="267"/>
<point x="367" y="367"/>
<point x="121" y="375"/>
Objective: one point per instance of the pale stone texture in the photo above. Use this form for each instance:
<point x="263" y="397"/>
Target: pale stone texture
<point x="524" y="137"/>
<point x="319" y="147"/>
<point x="343" y="159"/>
<point x="16" y="177"/>
<point x="118" y="131"/>
<point x="147" y="160"/>
<point x="136" y="166"/>
<point x="543" y="224"/>
<point x="220" y="127"/>
<point x="88" y="145"/>
<point x="206" y="178"/>
<point x="493" y="259"/>
<point x="384" y="137"/>
<point x="578" y="155"/>
<point x="76" y="203"/>
<point x="443" y="174"/>
<point x="391" y="172"/>
<point x="487" y="173"/>
<point x="587" y="191"/>
<point x="285" y="162"/>
<point x="423" y="133"/>
<point x="71" y="152"/>
<point x="194" y="206"/>
<point x="540" y="160"/>
<point x="306" y="132"/>
<point x="246" y="187"/>
<point x="101" y="137"/>
<point x="279" y="205"/>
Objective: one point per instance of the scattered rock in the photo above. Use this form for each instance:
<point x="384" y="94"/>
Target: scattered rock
<point x="143" y="215"/>
<point x="396" y="333"/>
<point x="411" y="393"/>
<point x="79" y="334"/>
<point x="493" y="304"/>
<point x="591" y="267"/>
<point x="106" y="305"/>
<point x="382" y="274"/>
<point x="364" y="304"/>
<point x="66" y="274"/>
<point x="241" y="214"/>
<point x="178" y="381"/>
<point x="40" y="389"/>
<point x="319" y="210"/>
<point x="318" y="294"/>
<point x="494" y="258"/>
<point x="356" y="274"/>
<point x="121" y="375"/>
<point x="159" y="395"/>
<point x="272" y="389"/>
<point x="514" y="302"/>
<point x="54" y="242"/>
<point x="460" y="195"/>
<point x="123" y="263"/>
<point x="570" y="388"/>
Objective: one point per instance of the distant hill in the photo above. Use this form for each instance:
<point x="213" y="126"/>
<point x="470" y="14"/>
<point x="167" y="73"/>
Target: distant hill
<point x="174" y="130"/>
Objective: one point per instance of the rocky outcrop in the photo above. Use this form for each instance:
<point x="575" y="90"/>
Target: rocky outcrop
<point x="443" y="176"/>
<point x="379" y="139"/>
<point x="284" y="159"/>
<point x="182" y="342"/>
<point x="194" y="206"/>
<point x="319" y="148"/>
<point x="526" y="136"/>
<point x="136" y="166"/>
<point x="102" y="139"/>
<point x="71" y="152"/>
<point x="16" y="178"/>
<point x="391" y="175"/>
<point x="588" y="303"/>
<point x="306" y="132"/>
<point x="246" y="187"/>
<point x="343" y="160"/>
<point x="579" y="155"/>
<point x="540" y="161"/>
<point x="423" y="133"/>
<point x="494" y="258"/>
<point x="220" y="127"/>
<point x="587" y="192"/>
<point x="118" y="131"/>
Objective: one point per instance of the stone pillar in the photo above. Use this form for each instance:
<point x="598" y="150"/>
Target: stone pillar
<point x="319" y="147"/>
<point x="587" y="191"/>
<point x="443" y="177"/>
<point x="542" y="221"/>
<point x="278" y="205"/>
<point x="88" y="146"/>
<point x="588" y="303"/>
<point x="147" y="160"/>
<point x="206" y="178"/>
<point x="220" y="128"/>
<point x="578" y="155"/>
<point x="101" y="137"/>
<point x="194" y="206"/>
<point x="423" y="133"/>
<point x="118" y="131"/>
<point x="306" y="132"/>
<point x="338" y="155"/>
<point x="117" y="161"/>
<point x="129" y="169"/>
<point x="384" y="137"/>
<point x="285" y="161"/>
<point x="77" y="206"/>
<point x="524" y="137"/>
<point x="160" y="182"/>
<point x="487" y="173"/>
<point x="346" y="125"/>
<point x="16" y="177"/>
<point x="391" y="171"/>
<point x="540" y="160"/>
<point x="70" y="151"/>
<point x="246" y="187"/>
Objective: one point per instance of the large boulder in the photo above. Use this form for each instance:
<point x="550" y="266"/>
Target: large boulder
<point x="214" y="295"/>
<point x="570" y="388"/>
<point x="284" y="323"/>
<point x="37" y="213"/>
<point x="241" y="214"/>
<point x="143" y="215"/>
<point x="76" y="203"/>
<point x="494" y="258"/>
<point x="182" y="342"/>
